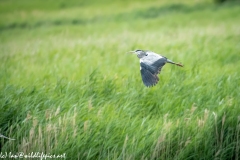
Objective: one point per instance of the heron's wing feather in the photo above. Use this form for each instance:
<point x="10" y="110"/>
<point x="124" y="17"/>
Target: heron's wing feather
<point x="158" y="65"/>
<point x="153" y="63"/>
<point x="148" y="78"/>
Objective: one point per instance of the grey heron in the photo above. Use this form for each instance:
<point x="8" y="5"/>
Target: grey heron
<point x="150" y="65"/>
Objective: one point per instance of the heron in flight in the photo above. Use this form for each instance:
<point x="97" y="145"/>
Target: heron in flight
<point x="150" y="65"/>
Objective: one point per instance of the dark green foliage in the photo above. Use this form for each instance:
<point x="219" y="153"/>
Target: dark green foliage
<point x="222" y="1"/>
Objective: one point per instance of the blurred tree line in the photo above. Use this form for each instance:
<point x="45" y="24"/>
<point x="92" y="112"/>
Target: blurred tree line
<point x="221" y="1"/>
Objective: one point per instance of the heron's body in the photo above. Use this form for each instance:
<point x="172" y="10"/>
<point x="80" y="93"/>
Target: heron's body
<point x="151" y="65"/>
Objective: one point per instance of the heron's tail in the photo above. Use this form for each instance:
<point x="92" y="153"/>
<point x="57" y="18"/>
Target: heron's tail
<point x="178" y="64"/>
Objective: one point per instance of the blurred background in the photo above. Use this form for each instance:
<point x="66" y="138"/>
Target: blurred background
<point x="67" y="84"/>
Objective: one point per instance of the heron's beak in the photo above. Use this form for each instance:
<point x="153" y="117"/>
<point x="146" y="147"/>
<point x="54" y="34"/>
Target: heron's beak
<point x="131" y="52"/>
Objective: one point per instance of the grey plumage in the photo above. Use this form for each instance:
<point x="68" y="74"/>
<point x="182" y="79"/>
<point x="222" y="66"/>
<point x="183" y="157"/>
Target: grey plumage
<point x="151" y="65"/>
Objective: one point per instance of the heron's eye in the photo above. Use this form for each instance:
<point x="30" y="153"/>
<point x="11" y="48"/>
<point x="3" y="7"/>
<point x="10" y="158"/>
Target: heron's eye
<point x="146" y="54"/>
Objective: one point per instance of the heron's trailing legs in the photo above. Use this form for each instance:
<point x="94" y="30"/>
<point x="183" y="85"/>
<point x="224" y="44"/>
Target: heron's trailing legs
<point x="178" y="64"/>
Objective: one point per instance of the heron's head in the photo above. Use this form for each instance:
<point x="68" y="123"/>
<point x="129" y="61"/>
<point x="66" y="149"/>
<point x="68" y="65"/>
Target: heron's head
<point x="139" y="53"/>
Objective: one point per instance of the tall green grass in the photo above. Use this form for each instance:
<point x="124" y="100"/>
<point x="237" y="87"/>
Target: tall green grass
<point x="68" y="85"/>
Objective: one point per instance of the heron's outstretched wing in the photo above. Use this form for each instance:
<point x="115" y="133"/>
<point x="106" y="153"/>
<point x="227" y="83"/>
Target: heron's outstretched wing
<point x="158" y="65"/>
<point x="153" y="62"/>
<point x="151" y="66"/>
<point x="148" y="78"/>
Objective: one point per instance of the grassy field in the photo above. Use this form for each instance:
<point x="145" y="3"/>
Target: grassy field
<point x="67" y="85"/>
